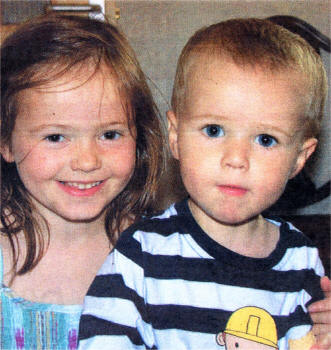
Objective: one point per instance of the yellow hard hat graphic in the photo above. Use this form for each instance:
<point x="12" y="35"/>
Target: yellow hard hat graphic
<point x="254" y="324"/>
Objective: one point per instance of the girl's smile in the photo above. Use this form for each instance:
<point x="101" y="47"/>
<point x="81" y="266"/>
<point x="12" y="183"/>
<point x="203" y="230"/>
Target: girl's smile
<point x="81" y="189"/>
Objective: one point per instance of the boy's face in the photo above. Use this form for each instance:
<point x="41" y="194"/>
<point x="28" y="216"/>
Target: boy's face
<point x="238" y="140"/>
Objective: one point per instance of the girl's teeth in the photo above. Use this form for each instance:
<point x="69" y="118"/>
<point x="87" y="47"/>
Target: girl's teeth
<point x="81" y="186"/>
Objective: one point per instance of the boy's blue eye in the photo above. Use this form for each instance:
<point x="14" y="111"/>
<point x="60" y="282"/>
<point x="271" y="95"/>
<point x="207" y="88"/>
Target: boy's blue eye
<point x="111" y="135"/>
<point x="54" y="138"/>
<point x="213" y="130"/>
<point x="266" y="140"/>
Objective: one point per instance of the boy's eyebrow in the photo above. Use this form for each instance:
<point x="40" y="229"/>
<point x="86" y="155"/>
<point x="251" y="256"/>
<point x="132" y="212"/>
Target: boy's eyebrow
<point x="282" y="131"/>
<point x="218" y="118"/>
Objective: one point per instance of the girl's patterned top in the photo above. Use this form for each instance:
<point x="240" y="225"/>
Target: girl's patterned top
<point x="27" y="325"/>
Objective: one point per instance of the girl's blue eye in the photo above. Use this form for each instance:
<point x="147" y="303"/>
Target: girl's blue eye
<point x="111" y="135"/>
<point x="266" y="140"/>
<point x="213" y="130"/>
<point x="54" y="138"/>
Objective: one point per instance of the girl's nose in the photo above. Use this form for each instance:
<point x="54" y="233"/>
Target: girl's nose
<point x="235" y="154"/>
<point x="86" y="157"/>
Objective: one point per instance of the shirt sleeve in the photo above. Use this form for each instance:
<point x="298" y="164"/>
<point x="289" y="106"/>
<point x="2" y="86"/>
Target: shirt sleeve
<point x="311" y="292"/>
<point x="114" y="312"/>
<point x="313" y="285"/>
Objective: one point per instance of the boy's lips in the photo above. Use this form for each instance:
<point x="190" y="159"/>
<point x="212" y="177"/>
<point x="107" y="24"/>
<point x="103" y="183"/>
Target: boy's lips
<point x="232" y="190"/>
<point x="81" y="188"/>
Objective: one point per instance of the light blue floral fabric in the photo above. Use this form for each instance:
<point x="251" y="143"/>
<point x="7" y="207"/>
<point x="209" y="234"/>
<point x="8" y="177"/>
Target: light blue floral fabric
<point x="26" y="325"/>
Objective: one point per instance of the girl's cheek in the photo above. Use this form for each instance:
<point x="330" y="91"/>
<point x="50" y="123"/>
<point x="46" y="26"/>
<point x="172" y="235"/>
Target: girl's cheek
<point x="22" y="147"/>
<point x="37" y="161"/>
<point x="124" y="157"/>
<point x="126" y="165"/>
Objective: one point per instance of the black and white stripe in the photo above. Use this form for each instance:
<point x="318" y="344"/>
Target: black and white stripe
<point x="167" y="285"/>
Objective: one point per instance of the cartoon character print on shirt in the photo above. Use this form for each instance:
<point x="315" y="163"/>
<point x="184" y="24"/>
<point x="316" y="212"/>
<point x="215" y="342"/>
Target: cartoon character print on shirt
<point x="249" y="328"/>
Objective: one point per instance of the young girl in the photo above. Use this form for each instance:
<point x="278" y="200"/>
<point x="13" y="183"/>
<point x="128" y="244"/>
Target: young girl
<point x="81" y="156"/>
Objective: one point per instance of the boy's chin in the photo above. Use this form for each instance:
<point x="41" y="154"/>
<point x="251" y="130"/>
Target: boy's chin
<point x="238" y="221"/>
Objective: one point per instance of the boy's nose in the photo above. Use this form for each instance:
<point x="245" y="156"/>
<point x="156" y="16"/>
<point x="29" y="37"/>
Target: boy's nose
<point x="86" y="157"/>
<point x="235" y="155"/>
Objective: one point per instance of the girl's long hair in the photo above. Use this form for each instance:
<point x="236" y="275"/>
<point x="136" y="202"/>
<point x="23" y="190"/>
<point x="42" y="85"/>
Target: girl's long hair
<point x="38" y="53"/>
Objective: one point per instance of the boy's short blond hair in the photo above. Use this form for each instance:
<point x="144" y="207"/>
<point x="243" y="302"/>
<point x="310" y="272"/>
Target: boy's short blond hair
<point x="256" y="43"/>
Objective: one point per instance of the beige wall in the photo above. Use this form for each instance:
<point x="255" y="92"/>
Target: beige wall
<point x="159" y="29"/>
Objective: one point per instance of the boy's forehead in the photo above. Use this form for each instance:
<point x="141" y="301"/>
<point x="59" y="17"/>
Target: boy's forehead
<point x="216" y="82"/>
<point x="210" y="65"/>
<point x="211" y="70"/>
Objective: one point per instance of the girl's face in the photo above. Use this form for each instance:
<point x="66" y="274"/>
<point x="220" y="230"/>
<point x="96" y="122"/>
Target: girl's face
<point x="73" y="146"/>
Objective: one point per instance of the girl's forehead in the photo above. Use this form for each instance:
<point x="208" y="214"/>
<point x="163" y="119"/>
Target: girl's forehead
<point x="55" y="77"/>
<point x="73" y="97"/>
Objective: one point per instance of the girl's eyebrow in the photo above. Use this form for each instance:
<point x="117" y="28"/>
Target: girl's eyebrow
<point x="69" y="127"/>
<point x="49" y="126"/>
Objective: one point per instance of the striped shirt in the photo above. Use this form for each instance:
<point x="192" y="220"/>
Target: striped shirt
<point x="168" y="285"/>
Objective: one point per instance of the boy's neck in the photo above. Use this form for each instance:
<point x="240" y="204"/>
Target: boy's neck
<point x="256" y="238"/>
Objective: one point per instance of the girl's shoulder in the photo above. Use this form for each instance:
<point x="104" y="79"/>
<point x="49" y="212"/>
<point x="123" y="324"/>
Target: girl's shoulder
<point x="6" y="259"/>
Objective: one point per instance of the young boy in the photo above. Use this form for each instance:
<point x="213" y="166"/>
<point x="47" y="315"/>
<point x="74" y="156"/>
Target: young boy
<point x="211" y="272"/>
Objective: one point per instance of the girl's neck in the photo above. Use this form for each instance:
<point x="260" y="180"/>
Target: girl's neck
<point x="60" y="229"/>
<point x="73" y="256"/>
<point x="64" y="231"/>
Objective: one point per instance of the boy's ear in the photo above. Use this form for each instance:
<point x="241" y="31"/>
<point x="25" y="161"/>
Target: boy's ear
<point x="6" y="153"/>
<point x="307" y="150"/>
<point x="172" y="133"/>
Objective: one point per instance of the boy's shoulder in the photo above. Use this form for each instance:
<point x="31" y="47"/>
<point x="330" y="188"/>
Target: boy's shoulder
<point x="162" y="221"/>
<point x="156" y="227"/>
<point x="290" y="233"/>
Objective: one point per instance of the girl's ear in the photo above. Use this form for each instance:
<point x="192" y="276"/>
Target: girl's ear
<point x="307" y="150"/>
<point x="172" y="133"/>
<point x="6" y="153"/>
